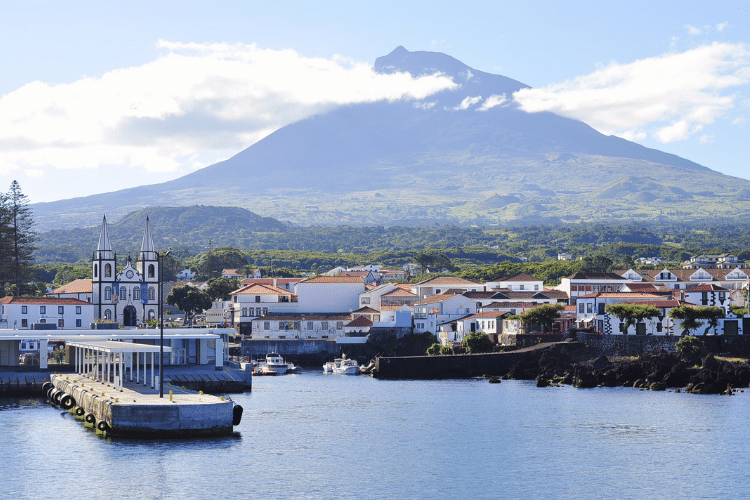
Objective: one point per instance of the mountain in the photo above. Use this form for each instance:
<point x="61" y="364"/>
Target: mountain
<point x="466" y="155"/>
<point x="190" y="228"/>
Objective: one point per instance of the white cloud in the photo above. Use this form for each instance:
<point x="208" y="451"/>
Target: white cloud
<point x="194" y="99"/>
<point x="673" y="96"/>
<point x="424" y="105"/>
<point x="468" y="102"/>
<point x="738" y="121"/>
<point x="492" y="101"/>
<point x="706" y="139"/>
<point x="692" y="30"/>
<point x="721" y="26"/>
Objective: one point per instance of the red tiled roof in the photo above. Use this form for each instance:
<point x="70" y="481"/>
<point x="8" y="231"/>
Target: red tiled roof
<point x="446" y="280"/>
<point x="75" y="286"/>
<point x="360" y="321"/>
<point x="261" y="290"/>
<point x="333" y="279"/>
<point x="706" y="287"/>
<point x="55" y="301"/>
<point x="434" y="299"/>
<point x="399" y="292"/>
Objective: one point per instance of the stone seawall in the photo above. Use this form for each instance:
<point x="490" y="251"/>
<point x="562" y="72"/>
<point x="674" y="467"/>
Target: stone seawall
<point x="459" y="366"/>
<point x="636" y="345"/>
<point x="304" y="351"/>
<point x="528" y="340"/>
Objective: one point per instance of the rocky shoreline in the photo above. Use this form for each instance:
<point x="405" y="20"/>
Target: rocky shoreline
<point x="694" y="373"/>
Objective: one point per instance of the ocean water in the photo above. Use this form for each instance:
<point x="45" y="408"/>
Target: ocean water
<point x="312" y="435"/>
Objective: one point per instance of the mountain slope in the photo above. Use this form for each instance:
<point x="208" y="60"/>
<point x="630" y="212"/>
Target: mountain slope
<point x="436" y="161"/>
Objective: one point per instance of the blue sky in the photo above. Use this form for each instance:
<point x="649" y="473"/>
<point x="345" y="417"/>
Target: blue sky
<point x="97" y="96"/>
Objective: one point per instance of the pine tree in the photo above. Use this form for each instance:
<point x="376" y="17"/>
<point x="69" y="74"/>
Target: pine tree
<point x="20" y="240"/>
<point x="5" y="246"/>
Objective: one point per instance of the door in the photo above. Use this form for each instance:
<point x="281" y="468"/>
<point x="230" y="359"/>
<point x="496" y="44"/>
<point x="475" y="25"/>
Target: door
<point x="129" y="317"/>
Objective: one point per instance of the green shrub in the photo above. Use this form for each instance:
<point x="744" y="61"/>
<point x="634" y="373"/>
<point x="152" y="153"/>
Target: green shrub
<point x="477" y="342"/>
<point x="434" y="349"/>
<point x="690" y="345"/>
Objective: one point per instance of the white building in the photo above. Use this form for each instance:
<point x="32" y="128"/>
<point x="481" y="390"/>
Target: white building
<point x="299" y="326"/>
<point x="440" y="284"/>
<point x="22" y="312"/>
<point x="80" y="289"/>
<point x="329" y="294"/>
<point x="253" y="301"/>
<point x="442" y="308"/>
<point x="518" y="282"/>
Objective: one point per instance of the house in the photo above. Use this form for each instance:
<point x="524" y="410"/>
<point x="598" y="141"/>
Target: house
<point x="367" y="276"/>
<point x="68" y="313"/>
<point x="722" y="261"/>
<point x="368" y="312"/>
<point x="185" y="274"/>
<point x="285" y="283"/>
<point x="681" y="279"/>
<point x="392" y="274"/>
<point x="708" y="294"/>
<point x="254" y="301"/>
<point x="219" y="313"/>
<point x="330" y="294"/>
<point x="234" y="274"/>
<point x="440" y="284"/>
<point x="592" y="312"/>
<point x="489" y="322"/>
<point x="582" y="283"/>
<point x="359" y="325"/>
<point x="441" y="308"/>
<point x="80" y="289"/>
<point x="299" y="326"/>
<point x="518" y="282"/>
<point x="372" y="297"/>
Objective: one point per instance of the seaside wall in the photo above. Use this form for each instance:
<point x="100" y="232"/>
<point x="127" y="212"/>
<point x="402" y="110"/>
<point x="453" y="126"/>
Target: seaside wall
<point x="299" y="351"/>
<point x="635" y="345"/>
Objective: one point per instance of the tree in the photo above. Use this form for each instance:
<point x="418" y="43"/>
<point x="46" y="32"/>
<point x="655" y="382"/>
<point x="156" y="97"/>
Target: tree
<point x="477" y="342"/>
<point x="220" y="288"/>
<point x="190" y="300"/>
<point x="542" y="316"/>
<point x="712" y="315"/>
<point x="689" y="346"/>
<point x="631" y="314"/>
<point x="687" y="316"/>
<point x="17" y="241"/>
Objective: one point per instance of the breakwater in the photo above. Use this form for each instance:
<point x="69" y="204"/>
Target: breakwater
<point x="461" y="366"/>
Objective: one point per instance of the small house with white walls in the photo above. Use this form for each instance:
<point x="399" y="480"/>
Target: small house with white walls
<point x="330" y="294"/>
<point x="22" y="312"/>
<point x="442" y="308"/>
<point x="80" y="289"/>
<point x="521" y="282"/>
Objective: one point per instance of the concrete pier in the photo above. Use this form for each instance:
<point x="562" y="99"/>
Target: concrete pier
<point x="131" y="409"/>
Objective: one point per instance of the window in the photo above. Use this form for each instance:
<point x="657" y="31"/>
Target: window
<point x="151" y="271"/>
<point x="244" y="311"/>
<point x="601" y="308"/>
<point x="24" y="323"/>
<point x="536" y="287"/>
<point x="24" y="309"/>
<point x="339" y="325"/>
<point x="96" y="269"/>
<point x="281" y="325"/>
<point x="42" y="310"/>
<point x="589" y="308"/>
<point x="151" y="314"/>
<point x="521" y="287"/>
<point x="309" y="325"/>
<point x="257" y="298"/>
<point x="136" y="293"/>
<point x="60" y="309"/>
<point x="580" y="308"/>
<point x="265" y="311"/>
<point x="266" y="325"/>
<point x="123" y="293"/>
<point x="365" y="300"/>
<point x="78" y="323"/>
<point x="151" y="293"/>
<point x="297" y="325"/>
<point x="60" y="323"/>
<point x="107" y="314"/>
<point x="78" y="309"/>
<point x="659" y="327"/>
<point x="107" y="270"/>
<point x="324" y="325"/>
<point x="107" y="293"/>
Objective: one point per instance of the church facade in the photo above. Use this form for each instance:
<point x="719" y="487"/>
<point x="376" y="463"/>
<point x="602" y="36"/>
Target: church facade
<point x="129" y="297"/>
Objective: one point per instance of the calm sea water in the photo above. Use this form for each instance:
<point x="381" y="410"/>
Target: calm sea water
<point x="326" y="436"/>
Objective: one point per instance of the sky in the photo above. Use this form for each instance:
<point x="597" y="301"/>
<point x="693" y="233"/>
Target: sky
<point x="100" y="96"/>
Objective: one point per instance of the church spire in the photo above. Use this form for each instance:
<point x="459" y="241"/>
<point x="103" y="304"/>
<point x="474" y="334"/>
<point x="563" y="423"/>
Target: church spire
<point x="147" y="245"/>
<point x="104" y="249"/>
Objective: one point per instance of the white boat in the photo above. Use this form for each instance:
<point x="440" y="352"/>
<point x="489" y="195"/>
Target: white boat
<point x="346" y="367"/>
<point x="328" y="367"/>
<point x="276" y="363"/>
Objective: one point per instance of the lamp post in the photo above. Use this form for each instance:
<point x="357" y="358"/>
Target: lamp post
<point x="160" y="258"/>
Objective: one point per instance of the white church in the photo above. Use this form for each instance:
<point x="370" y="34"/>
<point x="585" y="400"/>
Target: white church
<point x="131" y="296"/>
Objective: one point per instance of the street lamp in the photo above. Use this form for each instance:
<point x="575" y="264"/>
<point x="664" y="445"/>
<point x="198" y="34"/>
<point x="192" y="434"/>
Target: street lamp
<point x="160" y="258"/>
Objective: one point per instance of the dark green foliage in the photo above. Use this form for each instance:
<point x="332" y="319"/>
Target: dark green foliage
<point x="690" y="318"/>
<point x="631" y="314"/>
<point x="189" y="299"/>
<point x="17" y="243"/>
<point x="690" y="345"/>
<point x="220" y="288"/>
<point x="477" y="342"/>
<point x="542" y="316"/>
<point x="434" y="349"/>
